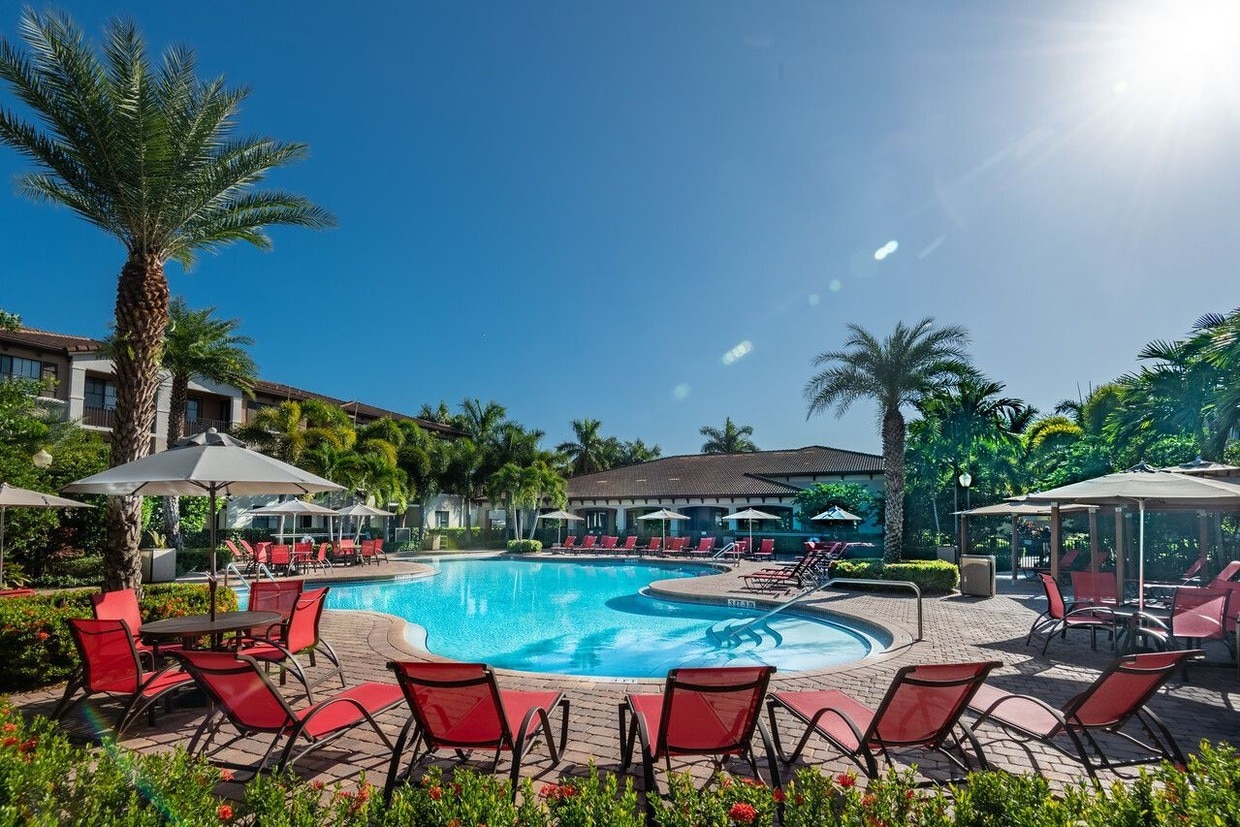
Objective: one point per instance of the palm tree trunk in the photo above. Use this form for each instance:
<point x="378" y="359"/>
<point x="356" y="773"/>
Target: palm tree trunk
<point x="893" y="478"/>
<point x="141" y="319"/>
<point x="177" y="408"/>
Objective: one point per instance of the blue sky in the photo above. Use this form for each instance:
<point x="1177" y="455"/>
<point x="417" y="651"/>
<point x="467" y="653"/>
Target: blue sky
<point x="656" y="214"/>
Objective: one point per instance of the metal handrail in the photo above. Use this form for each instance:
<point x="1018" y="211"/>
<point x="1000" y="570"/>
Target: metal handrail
<point x="907" y="584"/>
<point x="260" y="568"/>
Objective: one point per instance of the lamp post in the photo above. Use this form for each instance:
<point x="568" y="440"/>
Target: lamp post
<point x="41" y="458"/>
<point x="965" y="480"/>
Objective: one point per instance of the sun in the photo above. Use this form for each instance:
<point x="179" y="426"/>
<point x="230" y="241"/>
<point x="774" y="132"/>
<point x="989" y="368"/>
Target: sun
<point x="1182" y="54"/>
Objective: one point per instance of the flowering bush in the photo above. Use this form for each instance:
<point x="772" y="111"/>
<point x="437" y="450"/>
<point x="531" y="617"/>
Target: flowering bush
<point x="35" y="645"/>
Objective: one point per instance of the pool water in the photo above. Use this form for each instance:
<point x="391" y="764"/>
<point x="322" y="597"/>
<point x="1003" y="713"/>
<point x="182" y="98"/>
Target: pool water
<point x="588" y="619"/>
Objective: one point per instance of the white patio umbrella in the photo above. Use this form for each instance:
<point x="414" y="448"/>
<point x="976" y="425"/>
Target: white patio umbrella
<point x="12" y="496"/>
<point x="362" y="510"/>
<point x="837" y="514"/>
<point x="749" y="515"/>
<point x="560" y="516"/>
<point x="1149" y="488"/>
<point x="293" y="508"/>
<point x="663" y="515"/>
<point x="211" y="464"/>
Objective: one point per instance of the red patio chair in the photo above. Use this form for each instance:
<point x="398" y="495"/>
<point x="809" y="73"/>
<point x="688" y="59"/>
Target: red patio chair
<point x="1227" y="573"/>
<point x="1117" y="696"/>
<point x="1094" y="589"/>
<point x="122" y="604"/>
<point x="569" y="544"/>
<point x="702" y="711"/>
<point x="802" y="573"/>
<point x="922" y="708"/>
<point x="380" y="554"/>
<point x="766" y="550"/>
<point x="588" y="541"/>
<point x="367" y="554"/>
<point x="676" y="545"/>
<point x="1065" y="564"/>
<point x="653" y="545"/>
<point x="705" y="547"/>
<point x="346" y="551"/>
<point x="460" y="706"/>
<point x="1190" y="574"/>
<point x="300" y="635"/>
<point x="281" y="560"/>
<point x="630" y="544"/>
<point x="273" y="596"/>
<point x="245" y="698"/>
<point x="1060" y="616"/>
<point x="110" y="665"/>
<point x="1197" y="615"/>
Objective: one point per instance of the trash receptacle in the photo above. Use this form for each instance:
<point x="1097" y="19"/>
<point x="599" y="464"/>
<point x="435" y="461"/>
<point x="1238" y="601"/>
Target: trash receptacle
<point x="977" y="575"/>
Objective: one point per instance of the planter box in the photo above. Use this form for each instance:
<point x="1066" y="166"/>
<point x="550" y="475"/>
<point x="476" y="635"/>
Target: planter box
<point x="159" y="565"/>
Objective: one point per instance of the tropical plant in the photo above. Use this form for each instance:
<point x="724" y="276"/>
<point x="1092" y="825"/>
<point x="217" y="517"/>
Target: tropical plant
<point x="897" y="372"/>
<point x="146" y="152"/>
<point x="591" y="451"/>
<point x="849" y="496"/>
<point x="198" y="346"/>
<point x="637" y="451"/>
<point x="286" y="431"/>
<point x="730" y="439"/>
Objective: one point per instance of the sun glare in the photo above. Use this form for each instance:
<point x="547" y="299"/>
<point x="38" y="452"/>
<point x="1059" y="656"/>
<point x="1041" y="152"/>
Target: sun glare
<point x="1186" y="56"/>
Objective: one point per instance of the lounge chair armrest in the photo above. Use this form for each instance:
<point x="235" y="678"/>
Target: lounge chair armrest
<point x="1012" y="696"/>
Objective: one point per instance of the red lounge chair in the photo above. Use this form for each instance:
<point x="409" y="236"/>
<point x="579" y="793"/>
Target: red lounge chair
<point x="569" y="544"/>
<point x="122" y="604"/>
<point x="922" y="708"/>
<point x="704" y="711"/>
<point x="274" y="596"/>
<point x="299" y="636"/>
<point x="1227" y="573"/>
<point x="1190" y="573"/>
<point x="705" y="548"/>
<point x="245" y="698"/>
<point x="676" y="545"/>
<point x="244" y="559"/>
<point x="460" y="706"/>
<point x="766" y="550"/>
<point x="1117" y="696"/>
<point x="608" y="543"/>
<point x="1065" y="564"/>
<point x="802" y="573"/>
<point x="110" y="664"/>
<point x="17" y="592"/>
<point x="630" y="544"/>
<point x="588" y="541"/>
<point x="653" y="545"/>
<point x="1197" y="615"/>
<point x="1059" y="617"/>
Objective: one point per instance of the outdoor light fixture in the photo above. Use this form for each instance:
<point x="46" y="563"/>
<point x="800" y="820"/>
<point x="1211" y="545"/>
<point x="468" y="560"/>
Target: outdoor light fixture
<point x="966" y="479"/>
<point x="41" y="459"/>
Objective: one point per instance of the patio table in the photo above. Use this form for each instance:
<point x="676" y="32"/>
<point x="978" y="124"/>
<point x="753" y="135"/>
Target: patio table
<point x="195" y="626"/>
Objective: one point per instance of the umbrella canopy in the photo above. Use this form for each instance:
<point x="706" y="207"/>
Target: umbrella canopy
<point x="1017" y="508"/>
<point x="1206" y="468"/>
<point x="560" y="515"/>
<point x="12" y="496"/>
<point x="362" y="510"/>
<point x="749" y="515"/>
<point x="210" y="464"/>
<point x="837" y="514"/>
<point x="663" y="515"/>
<point x="294" y="507"/>
<point x="1149" y="488"/>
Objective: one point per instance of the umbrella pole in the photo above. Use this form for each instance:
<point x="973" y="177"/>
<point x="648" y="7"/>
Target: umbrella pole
<point x="211" y="552"/>
<point x="1" y="547"/>
<point x="1140" y="557"/>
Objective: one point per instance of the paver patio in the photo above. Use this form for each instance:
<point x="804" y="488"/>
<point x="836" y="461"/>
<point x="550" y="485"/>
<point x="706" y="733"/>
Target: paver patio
<point x="957" y="628"/>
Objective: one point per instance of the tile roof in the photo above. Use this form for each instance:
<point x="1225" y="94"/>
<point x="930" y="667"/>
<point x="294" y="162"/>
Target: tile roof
<point x="693" y="475"/>
<point x="47" y="340"/>
<point x="354" y="407"/>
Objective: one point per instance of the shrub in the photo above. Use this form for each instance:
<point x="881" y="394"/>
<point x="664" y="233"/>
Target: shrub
<point x="524" y="546"/>
<point x="35" y="645"/>
<point x="929" y="575"/>
<point x="199" y="559"/>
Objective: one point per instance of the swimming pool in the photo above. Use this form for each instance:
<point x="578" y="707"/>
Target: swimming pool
<point x="589" y="619"/>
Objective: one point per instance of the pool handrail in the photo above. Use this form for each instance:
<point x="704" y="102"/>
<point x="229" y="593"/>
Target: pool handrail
<point x="736" y="631"/>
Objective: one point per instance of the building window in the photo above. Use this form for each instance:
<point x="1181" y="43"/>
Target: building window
<point x="19" y="368"/>
<point x="100" y="393"/>
<point x="193" y="409"/>
<point x="441" y="519"/>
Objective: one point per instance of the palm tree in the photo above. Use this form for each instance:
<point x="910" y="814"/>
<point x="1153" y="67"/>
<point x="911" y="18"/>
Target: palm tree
<point x="286" y="431"/>
<point x="590" y="452"/>
<point x="197" y="346"/>
<point x="728" y="440"/>
<point x="146" y="152"/>
<point x="896" y="372"/>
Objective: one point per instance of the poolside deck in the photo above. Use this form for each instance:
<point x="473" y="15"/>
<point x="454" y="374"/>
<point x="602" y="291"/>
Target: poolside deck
<point x="956" y="629"/>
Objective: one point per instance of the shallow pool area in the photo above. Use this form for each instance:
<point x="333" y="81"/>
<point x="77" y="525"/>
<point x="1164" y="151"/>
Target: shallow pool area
<point x="590" y="619"/>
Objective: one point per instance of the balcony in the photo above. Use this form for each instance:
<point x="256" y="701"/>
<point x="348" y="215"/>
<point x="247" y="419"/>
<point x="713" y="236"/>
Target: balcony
<point x="98" y="417"/>
<point x="200" y="426"/>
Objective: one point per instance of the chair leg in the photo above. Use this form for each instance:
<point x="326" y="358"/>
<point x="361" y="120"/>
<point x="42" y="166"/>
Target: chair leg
<point x="394" y="765"/>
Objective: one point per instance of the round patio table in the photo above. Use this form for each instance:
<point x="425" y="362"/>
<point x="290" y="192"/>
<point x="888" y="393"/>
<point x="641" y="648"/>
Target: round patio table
<point x="192" y="626"/>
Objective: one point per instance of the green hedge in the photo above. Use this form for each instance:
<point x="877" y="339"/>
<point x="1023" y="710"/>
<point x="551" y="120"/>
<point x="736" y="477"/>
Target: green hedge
<point x="44" y="779"/>
<point x="524" y="546"/>
<point x="929" y="575"/>
<point x="35" y="646"/>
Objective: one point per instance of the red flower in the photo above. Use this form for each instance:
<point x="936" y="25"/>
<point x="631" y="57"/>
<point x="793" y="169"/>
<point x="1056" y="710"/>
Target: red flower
<point x="846" y="780"/>
<point x="224" y="812"/>
<point x="9" y="727"/>
<point x="909" y="795"/>
<point x="42" y="636"/>
<point x="28" y="746"/>
<point x="317" y="785"/>
<point x="742" y="812"/>
<point x="9" y="741"/>
<point x="436" y="793"/>
<point x="778" y="795"/>
<point x="869" y="800"/>
<point x="226" y="775"/>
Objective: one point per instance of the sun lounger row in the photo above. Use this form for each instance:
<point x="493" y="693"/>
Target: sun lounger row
<point x="281" y="558"/>
<point x="712" y="711"/>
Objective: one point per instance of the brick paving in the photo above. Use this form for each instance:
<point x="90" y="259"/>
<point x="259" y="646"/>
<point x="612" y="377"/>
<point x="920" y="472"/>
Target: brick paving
<point x="957" y="628"/>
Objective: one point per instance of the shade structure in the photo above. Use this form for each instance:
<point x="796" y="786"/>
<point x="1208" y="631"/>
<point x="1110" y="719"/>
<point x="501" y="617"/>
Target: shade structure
<point x="1205" y="468"/>
<point x="210" y="464"/>
<point x="1017" y="507"/>
<point x="837" y="514"/>
<point x="1150" y="489"/>
<point x="663" y="515"/>
<point x="561" y="516"/>
<point x="13" y="497"/>
<point x="363" y="510"/>
<point x="749" y="515"/>
<point x="294" y="508"/>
